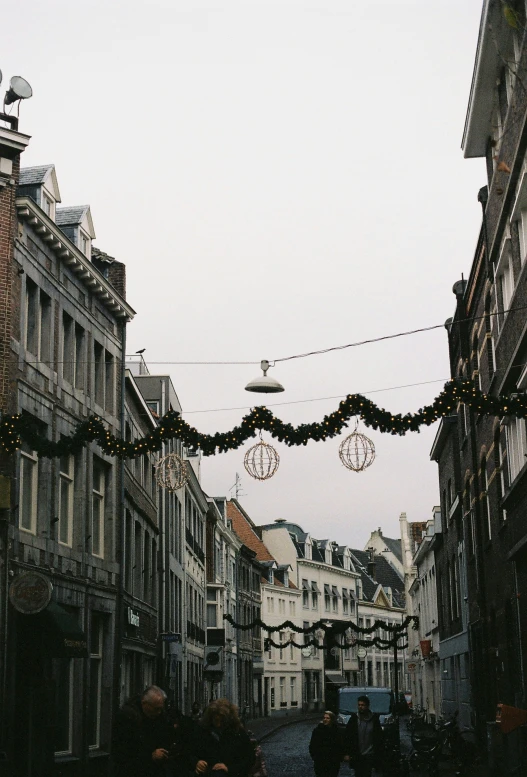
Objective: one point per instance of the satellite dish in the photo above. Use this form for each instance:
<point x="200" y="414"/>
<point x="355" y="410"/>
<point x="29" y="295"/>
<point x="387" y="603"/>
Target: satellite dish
<point x="19" y="89"/>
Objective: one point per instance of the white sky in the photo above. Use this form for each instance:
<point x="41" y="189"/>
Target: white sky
<point x="278" y="177"/>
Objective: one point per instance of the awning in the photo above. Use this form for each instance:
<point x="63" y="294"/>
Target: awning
<point x="336" y="678"/>
<point x="335" y="591"/>
<point x="315" y="588"/>
<point x="305" y="585"/>
<point x="58" y="632"/>
<point x="344" y="593"/>
<point x="327" y="589"/>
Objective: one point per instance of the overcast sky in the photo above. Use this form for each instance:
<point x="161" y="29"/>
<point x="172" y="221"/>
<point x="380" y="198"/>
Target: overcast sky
<point x="278" y="177"/>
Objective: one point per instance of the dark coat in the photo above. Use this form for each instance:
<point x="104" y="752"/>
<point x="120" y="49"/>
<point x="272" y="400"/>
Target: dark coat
<point x="179" y="743"/>
<point x="135" y="737"/>
<point x="351" y="737"/>
<point x="232" y="748"/>
<point x="325" y="747"/>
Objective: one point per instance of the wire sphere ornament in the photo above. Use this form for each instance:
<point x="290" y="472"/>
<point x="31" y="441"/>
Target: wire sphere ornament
<point x="261" y="461"/>
<point x="357" y="452"/>
<point x="171" y="472"/>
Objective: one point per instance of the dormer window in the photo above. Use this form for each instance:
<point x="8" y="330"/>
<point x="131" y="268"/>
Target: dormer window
<point x="48" y="205"/>
<point x="286" y="578"/>
<point x="84" y="243"/>
<point x="271" y="576"/>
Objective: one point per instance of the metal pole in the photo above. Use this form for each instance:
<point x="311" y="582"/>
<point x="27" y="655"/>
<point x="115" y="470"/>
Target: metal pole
<point x="395" y="673"/>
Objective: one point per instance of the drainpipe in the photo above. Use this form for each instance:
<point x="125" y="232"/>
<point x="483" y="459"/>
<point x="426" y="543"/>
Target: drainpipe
<point x="120" y="541"/>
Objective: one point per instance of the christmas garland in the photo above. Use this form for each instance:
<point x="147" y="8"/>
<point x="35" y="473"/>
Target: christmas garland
<point x="336" y="627"/>
<point x="23" y="428"/>
<point x="382" y="644"/>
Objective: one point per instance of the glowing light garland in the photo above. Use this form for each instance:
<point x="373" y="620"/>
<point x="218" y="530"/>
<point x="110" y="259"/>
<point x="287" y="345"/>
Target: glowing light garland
<point x="23" y="428"/>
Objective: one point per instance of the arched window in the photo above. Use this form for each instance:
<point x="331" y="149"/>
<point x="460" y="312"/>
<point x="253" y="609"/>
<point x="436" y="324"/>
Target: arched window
<point x="475" y="363"/>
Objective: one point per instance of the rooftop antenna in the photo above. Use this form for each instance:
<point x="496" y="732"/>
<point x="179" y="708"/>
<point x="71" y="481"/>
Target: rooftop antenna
<point x="237" y="487"/>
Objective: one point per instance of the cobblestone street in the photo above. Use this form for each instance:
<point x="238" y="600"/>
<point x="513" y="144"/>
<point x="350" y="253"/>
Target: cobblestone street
<point x="286" y="753"/>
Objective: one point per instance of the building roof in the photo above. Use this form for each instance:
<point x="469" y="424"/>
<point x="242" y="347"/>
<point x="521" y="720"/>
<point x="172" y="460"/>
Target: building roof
<point x="30" y="176"/>
<point x="71" y="215"/>
<point x="243" y="527"/>
<point x="96" y="253"/>
<point x="385" y="575"/>
<point x="394" y="546"/>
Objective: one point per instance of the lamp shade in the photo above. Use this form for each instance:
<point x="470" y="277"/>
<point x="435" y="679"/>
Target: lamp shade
<point x="264" y="384"/>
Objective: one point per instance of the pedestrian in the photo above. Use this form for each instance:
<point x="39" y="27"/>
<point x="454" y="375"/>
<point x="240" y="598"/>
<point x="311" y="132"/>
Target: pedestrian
<point x="180" y="737"/>
<point x="140" y="735"/>
<point x="195" y="712"/>
<point x="259" y="769"/>
<point x="325" y="747"/>
<point x="222" y="746"/>
<point x="363" y="739"/>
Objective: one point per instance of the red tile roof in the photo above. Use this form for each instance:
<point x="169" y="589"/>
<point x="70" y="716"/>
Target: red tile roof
<point x="244" y="530"/>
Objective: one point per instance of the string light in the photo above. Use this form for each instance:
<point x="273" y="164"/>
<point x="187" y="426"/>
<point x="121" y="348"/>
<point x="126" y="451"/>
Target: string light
<point x="23" y="428"/>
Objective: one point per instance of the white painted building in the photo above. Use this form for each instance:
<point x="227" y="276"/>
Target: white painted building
<point x="325" y="574"/>
<point x="425" y="673"/>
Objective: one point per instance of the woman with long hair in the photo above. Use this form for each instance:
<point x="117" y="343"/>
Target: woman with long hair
<point x="222" y="745"/>
<point x="325" y="747"/>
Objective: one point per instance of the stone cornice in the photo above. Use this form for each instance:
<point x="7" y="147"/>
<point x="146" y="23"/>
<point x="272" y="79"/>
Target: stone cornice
<point x="327" y="568"/>
<point x="73" y="258"/>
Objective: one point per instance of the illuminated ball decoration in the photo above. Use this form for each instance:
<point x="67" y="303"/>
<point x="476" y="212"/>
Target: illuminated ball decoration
<point x="171" y="472"/>
<point x="357" y="452"/>
<point x="261" y="461"/>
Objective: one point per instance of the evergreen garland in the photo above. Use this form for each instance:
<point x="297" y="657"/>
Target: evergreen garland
<point x="336" y="627"/>
<point x="23" y="428"/>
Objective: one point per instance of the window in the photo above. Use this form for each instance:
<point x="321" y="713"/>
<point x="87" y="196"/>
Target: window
<point x="273" y="700"/>
<point x="48" y="206"/>
<point x="84" y="243"/>
<point x="283" y="702"/>
<point x="516" y="446"/>
<point x="98" y="499"/>
<point x="327" y="598"/>
<point x="294" y="700"/>
<point x="522" y="232"/>
<point x="28" y="489"/>
<point x="344" y="601"/>
<point x="38" y="322"/>
<point x="491" y="357"/>
<point x="95" y="685"/>
<point x="281" y="606"/>
<point x="485" y="505"/>
<point x="109" y="381"/>
<point x="499" y="463"/>
<point x="505" y="282"/>
<point x="62" y="672"/>
<point x="80" y="358"/>
<point x="66" y="500"/>
<point x="476" y="372"/>
<point x="282" y="640"/>
<point x="270" y="604"/>
<point x="314" y="595"/>
<point x="98" y="363"/>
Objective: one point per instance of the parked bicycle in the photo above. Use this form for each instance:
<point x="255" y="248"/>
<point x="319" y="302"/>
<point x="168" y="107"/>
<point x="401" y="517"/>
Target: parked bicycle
<point x="427" y="745"/>
<point x="458" y="744"/>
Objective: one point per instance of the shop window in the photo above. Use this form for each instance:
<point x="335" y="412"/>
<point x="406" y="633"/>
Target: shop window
<point x="95" y="682"/>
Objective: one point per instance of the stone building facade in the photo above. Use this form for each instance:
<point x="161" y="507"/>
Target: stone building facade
<point x="488" y="346"/>
<point x="65" y="327"/>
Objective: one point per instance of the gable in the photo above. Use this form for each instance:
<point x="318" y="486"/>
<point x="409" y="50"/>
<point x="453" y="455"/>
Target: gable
<point x="380" y="598"/>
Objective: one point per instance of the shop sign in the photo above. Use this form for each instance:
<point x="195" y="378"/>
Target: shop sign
<point x="411" y="667"/>
<point x="133" y="617"/>
<point x="30" y="592"/>
<point x="171" y="637"/>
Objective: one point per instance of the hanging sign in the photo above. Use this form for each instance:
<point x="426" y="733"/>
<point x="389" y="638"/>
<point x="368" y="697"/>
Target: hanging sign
<point x="30" y="592"/>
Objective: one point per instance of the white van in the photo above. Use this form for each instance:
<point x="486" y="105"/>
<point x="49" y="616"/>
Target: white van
<point x="381" y="702"/>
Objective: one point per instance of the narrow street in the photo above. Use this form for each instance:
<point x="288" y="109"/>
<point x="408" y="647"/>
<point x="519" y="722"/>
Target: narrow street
<point x="286" y="752"/>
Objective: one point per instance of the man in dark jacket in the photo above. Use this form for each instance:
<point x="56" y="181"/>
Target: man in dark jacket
<point x="363" y="739"/>
<point x="140" y="735"/>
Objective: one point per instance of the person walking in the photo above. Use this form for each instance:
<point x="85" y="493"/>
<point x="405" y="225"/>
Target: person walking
<point x="140" y="735"/>
<point x="363" y="739"/>
<point x="222" y="746"/>
<point x="325" y="747"/>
